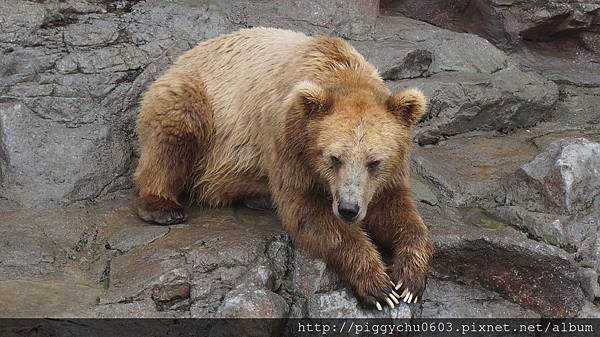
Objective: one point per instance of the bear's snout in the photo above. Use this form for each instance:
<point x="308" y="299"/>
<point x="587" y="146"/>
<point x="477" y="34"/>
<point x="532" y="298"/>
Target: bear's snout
<point x="348" y="211"/>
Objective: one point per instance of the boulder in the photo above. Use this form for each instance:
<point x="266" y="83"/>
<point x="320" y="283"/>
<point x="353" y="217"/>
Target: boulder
<point x="534" y="275"/>
<point x="562" y="179"/>
<point x="460" y="102"/>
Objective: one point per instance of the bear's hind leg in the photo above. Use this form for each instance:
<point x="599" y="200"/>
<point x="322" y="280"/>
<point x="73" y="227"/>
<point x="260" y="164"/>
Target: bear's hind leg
<point x="173" y="128"/>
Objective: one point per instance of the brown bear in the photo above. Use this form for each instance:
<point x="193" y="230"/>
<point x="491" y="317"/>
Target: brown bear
<point x="306" y="122"/>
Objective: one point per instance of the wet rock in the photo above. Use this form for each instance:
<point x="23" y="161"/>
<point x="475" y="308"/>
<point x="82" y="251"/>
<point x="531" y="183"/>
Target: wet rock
<point x="534" y="275"/>
<point x="131" y="237"/>
<point x="133" y="276"/>
<point x="562" y="179"/>
<point x="310" y="276"/>
<point x="444" y="299"/>
<point x="24" y="254"/>
<point x="47" y="297"/>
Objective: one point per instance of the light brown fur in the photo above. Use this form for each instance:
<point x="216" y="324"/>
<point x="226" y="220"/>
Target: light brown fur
<point x="267" y="112"/>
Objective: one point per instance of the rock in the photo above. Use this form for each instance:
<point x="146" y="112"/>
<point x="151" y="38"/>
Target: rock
<point x="340" y="303"/>
<point x="72" y="75"/>
<point x="470" y="168"/>
<point x="310" y="276"/>
<point x="131" y="237"/>
<point x="47" y="297"/>
<point x="589" y="310"/>
<point x="166" y="295"/>
<point x="589" y="283"/>
<point x="562" y="179"/>
<point x="346" y="18"/>
<point x="244" y="302"/>
<point x="558" y="38"/>
<point x="444" y="299"/>
<point x="470" y="83"/>
<point x="577" y="109"/>
<point x="134" y="309"/>
<point x="422" y="191"/>
<point x="534" y="275"/>
<point x="403" y="48"/>
<point x="461" y="102"/>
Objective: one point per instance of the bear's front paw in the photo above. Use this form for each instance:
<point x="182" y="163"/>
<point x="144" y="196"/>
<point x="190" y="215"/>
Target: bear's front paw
<point x="159" y="210"/>
<point x="375" y="290"/>
<point x="409" y="278"/>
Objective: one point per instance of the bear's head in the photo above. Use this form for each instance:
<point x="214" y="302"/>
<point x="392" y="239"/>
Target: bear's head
<point x="357" y="140"/>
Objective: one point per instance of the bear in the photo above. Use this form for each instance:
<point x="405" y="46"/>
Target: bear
<point x="306" y="123"/>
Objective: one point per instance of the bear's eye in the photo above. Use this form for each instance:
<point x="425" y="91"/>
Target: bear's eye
<point x="373" y="165"/>
<point x="335" y="161"/>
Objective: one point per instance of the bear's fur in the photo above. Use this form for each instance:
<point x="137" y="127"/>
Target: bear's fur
<point x="305" y="121"/>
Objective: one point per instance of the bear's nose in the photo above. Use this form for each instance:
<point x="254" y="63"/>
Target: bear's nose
<point x="348" y="211"/>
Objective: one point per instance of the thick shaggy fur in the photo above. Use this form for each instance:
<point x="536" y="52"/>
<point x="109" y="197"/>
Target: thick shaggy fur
<point x="260" y="113"/>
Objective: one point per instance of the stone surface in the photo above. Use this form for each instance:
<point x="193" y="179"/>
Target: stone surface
<point x="445" y="299"/>
<point x="535" y="275"/>
<point x="563" y="179"/>
<point x="131" y="237"/>
<point x="462" y="102"/>
<point x="589" y="283"/>
<point x="341" y="304"/>
<point x="559" y="38"/>
<point x="471" y="167"/>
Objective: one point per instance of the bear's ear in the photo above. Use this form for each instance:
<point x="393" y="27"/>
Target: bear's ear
<point x="408" y="104"/>
<point x="312" y="98"/>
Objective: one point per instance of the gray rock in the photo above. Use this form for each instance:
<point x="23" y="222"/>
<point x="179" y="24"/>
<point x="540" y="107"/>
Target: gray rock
<point x="513" y="265"/>
<point x="589" y="310"/>
<point x="47" y="297"/>
<point x="422" y="191"/>
<point x="135" y="309"/>
<point x="131" y="237"/>
<point x="469" y="169"/>
<point x="589" y="283"/>
<point x="72" y="75"/>
<point x="404" y="48"/>
<point x="562" y="179"/>
<point x="557" y="38"/>
<point x="445" y="299"/>
<point x="341" y="304"/>
<point x="461" y="102"/>
<point x="243" y="302"/>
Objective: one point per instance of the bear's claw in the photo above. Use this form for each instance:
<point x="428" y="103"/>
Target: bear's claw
<point x="158" y="210"/>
